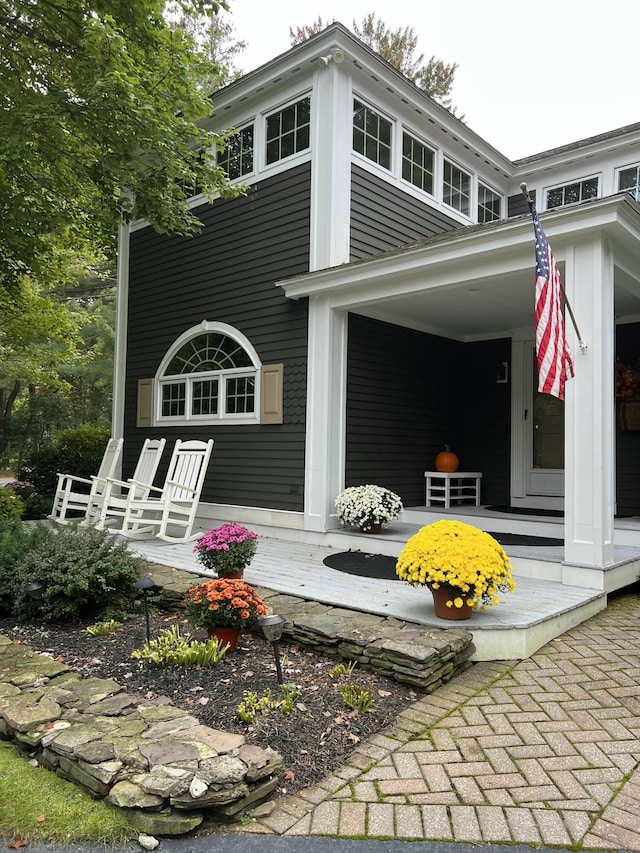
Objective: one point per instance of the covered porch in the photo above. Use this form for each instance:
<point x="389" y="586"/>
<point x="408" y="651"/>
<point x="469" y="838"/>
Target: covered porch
<point x="468" y="291"/>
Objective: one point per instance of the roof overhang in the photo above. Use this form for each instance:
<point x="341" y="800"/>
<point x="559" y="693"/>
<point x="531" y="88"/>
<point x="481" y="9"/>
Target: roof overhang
<point x="477" y="282"/>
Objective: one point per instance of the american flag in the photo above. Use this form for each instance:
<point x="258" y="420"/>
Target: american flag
<point x="554" y="361"/>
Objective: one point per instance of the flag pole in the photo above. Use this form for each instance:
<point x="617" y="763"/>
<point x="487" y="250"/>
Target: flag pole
<point x="582" y="344"/>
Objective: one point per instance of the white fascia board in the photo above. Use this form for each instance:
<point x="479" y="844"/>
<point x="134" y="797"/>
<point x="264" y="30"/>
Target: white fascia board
<point x="503" y="248"/>
<point x="580" y="151"/>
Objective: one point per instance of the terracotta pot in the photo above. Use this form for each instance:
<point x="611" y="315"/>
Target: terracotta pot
<point x="226" y="636"/>
<point x="370" y="527"/>
<point x="238" y="574"/>
<point x="440" y="598"/>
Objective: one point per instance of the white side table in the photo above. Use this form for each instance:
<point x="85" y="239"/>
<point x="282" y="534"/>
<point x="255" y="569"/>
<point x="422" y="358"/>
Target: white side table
<point x="458" y="487"/>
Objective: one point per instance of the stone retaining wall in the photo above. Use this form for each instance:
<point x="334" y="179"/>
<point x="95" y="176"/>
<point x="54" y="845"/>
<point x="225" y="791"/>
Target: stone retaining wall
<point x="158" y="764"/>
<point x="412" y="654"/>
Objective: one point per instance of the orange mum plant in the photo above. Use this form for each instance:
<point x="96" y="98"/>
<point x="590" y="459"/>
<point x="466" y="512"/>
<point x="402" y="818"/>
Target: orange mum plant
<point x="224" y="603"/>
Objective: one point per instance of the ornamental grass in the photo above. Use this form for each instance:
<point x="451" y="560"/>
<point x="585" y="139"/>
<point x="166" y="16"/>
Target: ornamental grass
<point x="469" y="562"/>
<point x="224" y="603"/>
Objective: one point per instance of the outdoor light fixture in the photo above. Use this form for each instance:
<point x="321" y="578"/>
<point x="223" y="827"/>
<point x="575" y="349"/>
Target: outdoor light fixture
<point x="146" y="584"/>
<point x="272" y="627"/>
<point x="34" y="589"/>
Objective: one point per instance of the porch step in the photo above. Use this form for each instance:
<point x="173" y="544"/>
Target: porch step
<point x="492" y="522"/>
<point x="538" y="611"/>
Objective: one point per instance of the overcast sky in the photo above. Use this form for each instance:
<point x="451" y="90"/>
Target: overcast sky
<point x="531" y="76"/>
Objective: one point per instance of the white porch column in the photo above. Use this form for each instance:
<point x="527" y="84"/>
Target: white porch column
<point x="326" y="395"/>
<point x="590" y="411"/>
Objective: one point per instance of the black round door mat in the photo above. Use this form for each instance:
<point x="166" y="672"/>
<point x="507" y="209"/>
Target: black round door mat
<point x="383" y="567"/>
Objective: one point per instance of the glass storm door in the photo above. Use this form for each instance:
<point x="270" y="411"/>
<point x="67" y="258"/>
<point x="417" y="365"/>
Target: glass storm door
<point x="544" y="441"/>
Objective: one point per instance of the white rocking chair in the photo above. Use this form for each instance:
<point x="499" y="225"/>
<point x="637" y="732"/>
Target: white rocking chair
<point x="74" y="494"/>
<point x="175" y="504"/>
<point x="113" y="502"/>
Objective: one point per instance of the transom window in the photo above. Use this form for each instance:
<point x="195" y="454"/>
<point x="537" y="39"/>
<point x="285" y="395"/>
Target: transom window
<point x="489" y="204"/>
<point x="629" y="181"/>
<point x="209" y="375"/>
<point x="237" y="157"/>
<point x="456" y="187"/>
<point x="572" y="193"/>
<point x="288" y="131"/>
<point x="371" y="135"/>
<point x="417" y="163"/>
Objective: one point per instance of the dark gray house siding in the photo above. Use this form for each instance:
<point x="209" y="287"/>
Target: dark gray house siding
<point x="627" y="441"/>
<point x="383" y="217"/>
<point x="403" y="405"/>
<point x="418" y="393"/>
<point x="517" y="204"/>
<point x="227" y="273"/>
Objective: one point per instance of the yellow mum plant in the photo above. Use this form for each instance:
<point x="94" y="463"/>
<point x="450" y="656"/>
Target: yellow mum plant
<point x="465" y="560"/>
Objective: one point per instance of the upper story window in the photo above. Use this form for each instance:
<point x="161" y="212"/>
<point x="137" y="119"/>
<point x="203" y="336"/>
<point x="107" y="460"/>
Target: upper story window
<point x="629" y="181"/>
<point x="371" y="135"/>
<point x="571" y="193"/>
<point x="237" y="157"/>
<point x="417" y="163"/>
<point x="210" y="374"/>
<point x="489" y="204"/>
<point x="288" y="131"/>
<point x="456" y="187"/>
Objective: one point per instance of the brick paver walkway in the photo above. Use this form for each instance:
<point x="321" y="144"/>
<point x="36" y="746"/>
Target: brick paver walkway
<point x="543" y="751"/>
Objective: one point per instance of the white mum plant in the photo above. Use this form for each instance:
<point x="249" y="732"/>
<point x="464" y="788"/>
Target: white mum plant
<point x="365" y="506"/>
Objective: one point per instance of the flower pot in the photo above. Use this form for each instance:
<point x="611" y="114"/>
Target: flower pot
<point x="237" y="574"/>
<point x="226" y="637"/>
<point x="370" y="527"/>
<point x="440" y="598"/>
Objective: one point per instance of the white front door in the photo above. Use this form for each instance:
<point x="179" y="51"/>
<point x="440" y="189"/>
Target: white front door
<point x="538" y="439"/>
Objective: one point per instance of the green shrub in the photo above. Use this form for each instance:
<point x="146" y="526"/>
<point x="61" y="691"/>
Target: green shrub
<point x="35" y="505"/>
<point x="76" y="451"/>
<point x="11" y="506"/>
<point x="16" y="540"/>
<point x="84" y="573"/>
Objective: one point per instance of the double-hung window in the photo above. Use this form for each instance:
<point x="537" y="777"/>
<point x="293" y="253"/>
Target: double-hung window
<point x="209" y="375"/>
<point x="371" y="135"/>
<point x="288" y="131"/>
<point x="571" y="193"/>
<point x="456" y="187"/>
<point x="237" y="156"/>
<point x="489" y="204"/>
<point x="417" y="163"/>
<point x="629" y="181"/>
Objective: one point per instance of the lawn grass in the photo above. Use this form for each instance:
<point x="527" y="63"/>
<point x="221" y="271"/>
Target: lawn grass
<point x="37" y="805"/>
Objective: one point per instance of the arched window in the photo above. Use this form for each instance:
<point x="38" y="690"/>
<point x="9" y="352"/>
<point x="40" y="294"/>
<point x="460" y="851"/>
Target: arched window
<point x="209" y="375"/>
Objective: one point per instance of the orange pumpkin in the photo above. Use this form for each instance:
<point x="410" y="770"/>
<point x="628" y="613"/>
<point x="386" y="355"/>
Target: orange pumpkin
<point x="446" y="461"/>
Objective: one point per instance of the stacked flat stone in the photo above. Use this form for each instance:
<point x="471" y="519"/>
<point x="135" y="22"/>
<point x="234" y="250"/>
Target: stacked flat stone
<point x="424" y="658"/>
<point x="165" y="770"/>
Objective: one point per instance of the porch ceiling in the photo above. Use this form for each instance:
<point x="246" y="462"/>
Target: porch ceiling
<point x="483" y="307"/>
<point x="476" y="308"/>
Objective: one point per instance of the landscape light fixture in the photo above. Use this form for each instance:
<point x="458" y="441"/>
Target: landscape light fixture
<point x="272" y="627"/>
<point x="146" y="584"/>
<point x="34" y="589"/>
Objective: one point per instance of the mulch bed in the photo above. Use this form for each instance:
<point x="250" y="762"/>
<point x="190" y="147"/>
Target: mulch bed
<point x="315" y="740"/>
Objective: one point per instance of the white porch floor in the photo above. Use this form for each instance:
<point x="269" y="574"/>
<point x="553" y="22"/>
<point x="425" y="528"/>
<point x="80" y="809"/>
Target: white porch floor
<point x="543" y="606"/>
